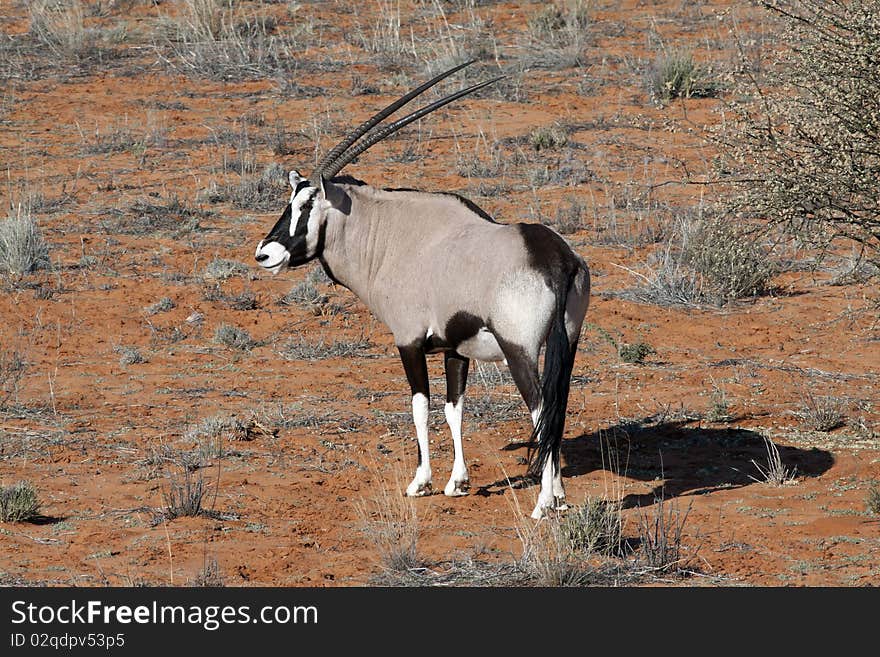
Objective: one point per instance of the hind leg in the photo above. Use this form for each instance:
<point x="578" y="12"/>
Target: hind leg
<point x="524" y="369"/>
<point x="456" y="380"/>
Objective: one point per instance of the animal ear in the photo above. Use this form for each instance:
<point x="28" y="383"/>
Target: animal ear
<point x="335" y="195"/>
<point x="295" y="178"/>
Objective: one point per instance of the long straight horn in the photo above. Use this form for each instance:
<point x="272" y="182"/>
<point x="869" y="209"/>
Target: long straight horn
<point x="340" y="148"/>
<point x="374" y="138"/>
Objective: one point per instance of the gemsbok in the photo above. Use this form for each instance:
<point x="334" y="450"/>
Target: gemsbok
<point x="445" y="278"/>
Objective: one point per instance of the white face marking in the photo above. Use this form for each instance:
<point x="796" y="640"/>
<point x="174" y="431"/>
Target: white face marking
<point x="294" y="178"/>
<point x="314" y="229"/>
<point x="313" y="226"/>
<point x="277" y="256"/>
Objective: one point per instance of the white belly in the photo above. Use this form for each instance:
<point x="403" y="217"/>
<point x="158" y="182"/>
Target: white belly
<point x="483" y="346"/>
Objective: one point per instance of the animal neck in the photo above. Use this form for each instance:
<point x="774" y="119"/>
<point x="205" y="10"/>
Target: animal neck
<point x="353" y="246"/>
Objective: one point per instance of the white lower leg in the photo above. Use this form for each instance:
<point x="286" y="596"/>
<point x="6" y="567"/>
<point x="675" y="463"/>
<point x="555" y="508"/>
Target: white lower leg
<point x="535" y="415"/>
<point x="559" y="489"/>
<point x="552" y="495"/>
<point x="545" y="497"/>
<point x="458" y="482"/>
<point x="421" y="483"/>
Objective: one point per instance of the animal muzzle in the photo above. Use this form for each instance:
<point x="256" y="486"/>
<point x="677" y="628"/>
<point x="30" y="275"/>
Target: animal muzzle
<point x="272" y="256"/>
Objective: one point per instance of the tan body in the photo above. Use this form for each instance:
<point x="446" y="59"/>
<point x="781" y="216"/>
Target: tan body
<point x="416" y="259"/>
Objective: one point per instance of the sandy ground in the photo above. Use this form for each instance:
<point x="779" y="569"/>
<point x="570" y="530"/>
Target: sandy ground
<point x="137" y="169"/>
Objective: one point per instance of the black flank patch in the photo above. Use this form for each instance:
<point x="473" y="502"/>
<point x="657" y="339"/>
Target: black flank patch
<point x="548" y="253"/>
<point x="436" y="345"/>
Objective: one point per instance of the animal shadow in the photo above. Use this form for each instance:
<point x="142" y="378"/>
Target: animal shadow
<point x="684" y="460"/>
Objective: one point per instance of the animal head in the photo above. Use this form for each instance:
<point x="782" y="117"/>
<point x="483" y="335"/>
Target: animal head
<point x="297" y="236"/>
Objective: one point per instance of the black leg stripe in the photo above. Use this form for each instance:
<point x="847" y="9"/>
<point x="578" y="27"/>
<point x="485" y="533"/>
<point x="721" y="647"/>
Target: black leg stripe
<point x="456" y="375"/>
<point x="416" y="368"/>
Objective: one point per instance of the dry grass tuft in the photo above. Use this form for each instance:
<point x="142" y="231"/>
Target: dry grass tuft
<point x="558" y="35"/>
<point x="19" y="502"/>
<point x="391" y="525"/>
<point x="872" y="500"/>
<point x="218" y="41"/>
<point x="660" y="538"/>
<point x="234" y="337"/>
<point x="774" y="471"/>
<point x="22" y="248"/>
<point x="675" y="74"/>
<point x="12" y="366"/>
<point x="822" y="413"/>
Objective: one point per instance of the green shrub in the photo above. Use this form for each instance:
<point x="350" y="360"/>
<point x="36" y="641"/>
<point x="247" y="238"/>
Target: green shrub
<point x="548" y="138"/>
<point x="635" y="353"/>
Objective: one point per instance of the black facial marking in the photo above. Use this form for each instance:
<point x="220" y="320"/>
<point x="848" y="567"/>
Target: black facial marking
<point x="281" y="230"/>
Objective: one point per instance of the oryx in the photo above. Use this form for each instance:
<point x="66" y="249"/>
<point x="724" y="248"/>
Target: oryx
<point x="445" y="278"/>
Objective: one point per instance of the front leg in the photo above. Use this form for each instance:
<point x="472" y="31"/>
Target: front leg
<point x="416" y="367"/>
<point x="456" y="381"/>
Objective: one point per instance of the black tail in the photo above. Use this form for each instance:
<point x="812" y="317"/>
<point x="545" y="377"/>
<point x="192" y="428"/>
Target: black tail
<point x="555" y="383"/>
